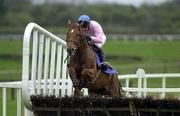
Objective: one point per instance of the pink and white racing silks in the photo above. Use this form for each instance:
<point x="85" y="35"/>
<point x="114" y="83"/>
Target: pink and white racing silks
<point x="96" y="33"/>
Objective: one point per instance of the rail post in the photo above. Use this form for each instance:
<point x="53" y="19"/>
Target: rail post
<point x="140" y="74"/>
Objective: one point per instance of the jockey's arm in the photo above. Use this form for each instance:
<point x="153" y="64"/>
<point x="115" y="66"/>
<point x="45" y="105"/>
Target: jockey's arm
<point x="97" y="38"/>
<point x="97" y="32"/>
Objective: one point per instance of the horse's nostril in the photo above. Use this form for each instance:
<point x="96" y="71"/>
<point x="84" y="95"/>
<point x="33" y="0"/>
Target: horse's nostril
<point x="69" y="50"/>
<point x="73" y="49"/>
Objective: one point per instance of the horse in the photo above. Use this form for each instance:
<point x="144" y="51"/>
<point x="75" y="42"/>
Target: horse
<point x="82" y="67"/>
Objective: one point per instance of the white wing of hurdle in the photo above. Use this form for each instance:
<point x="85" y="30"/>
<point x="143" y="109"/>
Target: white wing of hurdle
<point x="44" y="70"/>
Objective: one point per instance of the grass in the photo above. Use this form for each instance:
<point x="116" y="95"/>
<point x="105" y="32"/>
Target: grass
<point x="11" y="47"/>
<point x="10" y="66"/>
<point x="155" y="56"/>
<point x="151" y="51"/>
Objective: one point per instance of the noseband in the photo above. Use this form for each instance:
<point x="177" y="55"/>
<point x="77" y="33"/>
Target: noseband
<point x="77" y="45"/>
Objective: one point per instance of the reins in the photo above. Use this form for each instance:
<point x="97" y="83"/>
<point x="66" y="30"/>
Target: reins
<point x="79" y="44"/>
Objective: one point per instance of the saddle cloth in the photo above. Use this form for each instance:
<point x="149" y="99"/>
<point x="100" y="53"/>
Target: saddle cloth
<point x="109" y="70"/>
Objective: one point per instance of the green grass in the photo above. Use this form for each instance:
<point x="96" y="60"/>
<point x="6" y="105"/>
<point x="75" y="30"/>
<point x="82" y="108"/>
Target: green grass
<point x="11" y="47"/>
<point x="10" y="68"/>
<point x="156" y="56"/>
<point x="151" y="51"/>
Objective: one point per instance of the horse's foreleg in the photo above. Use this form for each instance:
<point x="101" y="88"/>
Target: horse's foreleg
<point x="77" y="91"/>
<point x="76" y="85"/>
<point x="73" y="74"/>
<point x="75" y="81"/>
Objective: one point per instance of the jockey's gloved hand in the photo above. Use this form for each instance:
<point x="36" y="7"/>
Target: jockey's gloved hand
<point x="104" y="66"/>
<point x="89" y="40"/>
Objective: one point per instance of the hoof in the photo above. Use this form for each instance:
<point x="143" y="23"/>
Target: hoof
<point x="77" y="93"/>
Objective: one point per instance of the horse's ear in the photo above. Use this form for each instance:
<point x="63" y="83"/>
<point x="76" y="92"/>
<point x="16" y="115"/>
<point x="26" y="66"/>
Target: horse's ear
<point x="81" y="25"/>
<point x="69" y="23"/>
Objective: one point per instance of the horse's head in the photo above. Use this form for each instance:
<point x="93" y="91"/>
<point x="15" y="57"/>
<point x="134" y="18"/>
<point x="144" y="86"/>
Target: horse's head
<point x="74" y="37"/>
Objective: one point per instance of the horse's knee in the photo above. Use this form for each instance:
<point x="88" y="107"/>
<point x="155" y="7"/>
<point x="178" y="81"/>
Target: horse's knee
<point x="87" y="76"/>
<point x="84" y="72"/>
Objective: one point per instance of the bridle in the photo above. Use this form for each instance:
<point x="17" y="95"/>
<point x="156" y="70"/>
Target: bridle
<point x="78" y="44"/>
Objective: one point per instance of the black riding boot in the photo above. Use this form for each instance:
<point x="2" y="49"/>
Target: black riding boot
<point x="101" y="52"/>
<point x="104" y="64"/>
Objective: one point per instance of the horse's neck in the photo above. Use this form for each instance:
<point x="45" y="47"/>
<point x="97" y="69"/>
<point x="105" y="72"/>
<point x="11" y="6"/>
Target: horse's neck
<point x="84" y="52"/>
<point x="84" y="56"/>
<point x="84" y="49"/>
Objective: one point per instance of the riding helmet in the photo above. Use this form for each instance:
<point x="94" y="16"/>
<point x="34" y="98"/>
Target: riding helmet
<point x="84" y="18"/>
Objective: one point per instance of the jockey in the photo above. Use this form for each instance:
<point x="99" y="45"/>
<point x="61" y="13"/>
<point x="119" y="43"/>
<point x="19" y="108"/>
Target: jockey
<point x="94" y="34"/>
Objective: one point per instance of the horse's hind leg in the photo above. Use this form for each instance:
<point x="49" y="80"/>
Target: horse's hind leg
<point x="114" y="87"/>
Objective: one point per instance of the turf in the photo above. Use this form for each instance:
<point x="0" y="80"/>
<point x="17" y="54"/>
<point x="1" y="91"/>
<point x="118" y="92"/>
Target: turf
<point x="11" y="47"/>
<point x="151" y="51"/>
<point x="154" y="56"/>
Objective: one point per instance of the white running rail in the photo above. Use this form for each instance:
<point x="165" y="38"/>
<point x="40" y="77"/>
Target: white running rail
<point x="142" y="81"/>
<point x="9" y="85"/>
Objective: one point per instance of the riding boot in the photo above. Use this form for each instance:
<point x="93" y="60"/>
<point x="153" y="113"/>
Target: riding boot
<point x="101" y="52"/>
<point x="104" y="64"/>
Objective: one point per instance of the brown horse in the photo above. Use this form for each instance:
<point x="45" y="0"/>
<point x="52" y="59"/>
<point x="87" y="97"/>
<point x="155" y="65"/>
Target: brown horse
<point x="83" y="69"/>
